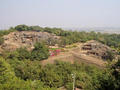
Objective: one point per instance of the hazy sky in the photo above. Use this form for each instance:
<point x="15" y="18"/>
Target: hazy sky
<point x="60" y="13"/>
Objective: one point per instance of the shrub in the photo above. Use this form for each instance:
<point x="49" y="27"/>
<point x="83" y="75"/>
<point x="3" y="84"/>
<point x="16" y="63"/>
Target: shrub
<point x="40" y="52"/>
<point x="110" y="55"/>
<point x="6" y="73"/>
<point x="23" y="53"/>
<point x="28" y="70"/>
<point x="1" y="41"/>
<point x="22" y="27"/>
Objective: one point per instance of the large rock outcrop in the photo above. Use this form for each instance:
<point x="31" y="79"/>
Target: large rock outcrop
<point x="27" y="39"/>
<point x="97" y="49"/>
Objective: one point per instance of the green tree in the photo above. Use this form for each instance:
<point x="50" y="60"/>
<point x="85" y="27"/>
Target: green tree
<point x="40" y="52"/>
<point x="22" y="27"/>
<point x="23" y="53"/>
<point x="28" y="70"/>
<point x="110" y="55"/>
<point x="6" y="73"/>
<point x="116" y="74"/>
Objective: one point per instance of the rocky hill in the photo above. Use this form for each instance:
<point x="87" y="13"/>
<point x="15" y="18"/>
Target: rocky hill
<point x="90" y="52"/>
<point x="27" y="39"/>
<point x="97" y="49"/>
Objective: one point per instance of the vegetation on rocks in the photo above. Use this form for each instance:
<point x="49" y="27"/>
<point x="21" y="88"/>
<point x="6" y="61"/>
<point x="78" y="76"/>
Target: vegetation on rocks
<point x="21" y="69"/>
<point x="76" y="36"/>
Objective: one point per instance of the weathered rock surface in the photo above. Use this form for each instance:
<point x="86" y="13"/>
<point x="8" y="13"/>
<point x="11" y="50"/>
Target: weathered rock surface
<point x="27" y="39"/>
<point x="96" y="48"/>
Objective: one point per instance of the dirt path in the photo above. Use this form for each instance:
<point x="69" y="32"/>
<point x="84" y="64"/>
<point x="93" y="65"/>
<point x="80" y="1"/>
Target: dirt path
<point x="89" y="59"/>
<point x="61" y="57"/>
<point x="73" y="55"/>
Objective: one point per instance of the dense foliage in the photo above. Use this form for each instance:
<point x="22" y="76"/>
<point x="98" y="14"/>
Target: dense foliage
<point x="40" y="52"/>
<point x="31" y="75"/>
<point x="22" y="28"/>
<point x="22" y="69"/>
<point x="69" y="37"/>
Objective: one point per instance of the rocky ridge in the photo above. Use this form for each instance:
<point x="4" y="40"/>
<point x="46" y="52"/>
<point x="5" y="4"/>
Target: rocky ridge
<point x="97" y="49"/>
<point x="27" y="39"/>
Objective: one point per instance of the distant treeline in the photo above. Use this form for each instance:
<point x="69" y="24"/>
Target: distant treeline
<point x="70" y="37"/>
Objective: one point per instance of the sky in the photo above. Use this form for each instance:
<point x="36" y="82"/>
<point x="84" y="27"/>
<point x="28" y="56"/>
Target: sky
<point x="60" y="13"/>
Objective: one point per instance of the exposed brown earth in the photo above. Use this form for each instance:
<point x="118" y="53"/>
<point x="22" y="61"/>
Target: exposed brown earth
<point x="73" y="55"/>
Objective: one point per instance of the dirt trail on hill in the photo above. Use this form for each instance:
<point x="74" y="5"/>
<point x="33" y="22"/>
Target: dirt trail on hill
<point x="74" y="55"/>
<point x="61" y="57"/>
<point x="89" y="59"/>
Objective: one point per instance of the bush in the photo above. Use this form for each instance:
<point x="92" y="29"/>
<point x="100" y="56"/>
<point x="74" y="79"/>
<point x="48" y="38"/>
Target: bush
<point x="20" y="54"/>
<point x="40" y="52"/>
<point x="23" y="53"/>
<point x="1" y="41"/>
<point x="116" y="74"/>
<point x="50" y="77"/>
<point x="27" y="70"/>
<point x="6" y="73"/>
<point x="22" y="28"/>
<point x="110" y="55"/>
<point x="11" y="55"/>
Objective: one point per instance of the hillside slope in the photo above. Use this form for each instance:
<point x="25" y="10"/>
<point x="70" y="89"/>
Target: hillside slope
<point x="27" y="39"/>
<point x="91" y="52"/>
<point x="78" y="55"/>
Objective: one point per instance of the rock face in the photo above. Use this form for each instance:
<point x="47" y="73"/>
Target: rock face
<point x="27" y="39"/>
<point x="96" y="48"/>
